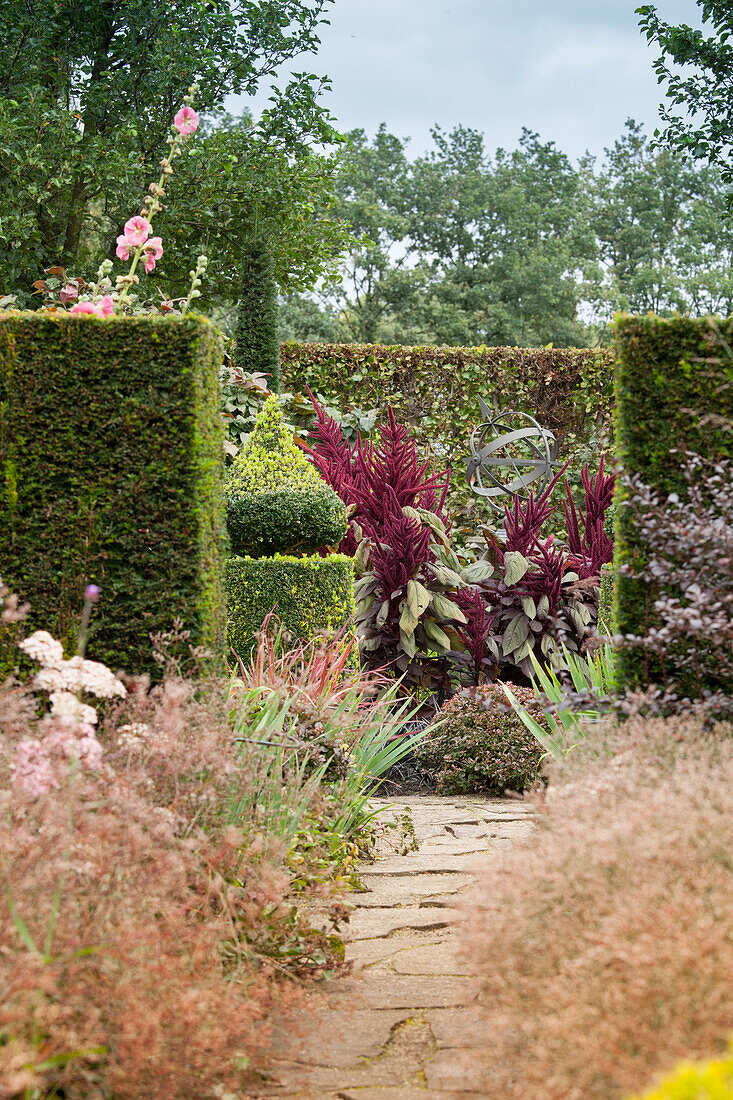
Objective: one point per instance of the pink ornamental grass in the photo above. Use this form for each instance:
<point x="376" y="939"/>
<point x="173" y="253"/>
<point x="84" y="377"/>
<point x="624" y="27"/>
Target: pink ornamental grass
<point x="186" y="121"/>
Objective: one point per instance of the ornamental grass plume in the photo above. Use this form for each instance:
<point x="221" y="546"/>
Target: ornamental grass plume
<point x="604" y="941"/>
<point x="131" y="900"/>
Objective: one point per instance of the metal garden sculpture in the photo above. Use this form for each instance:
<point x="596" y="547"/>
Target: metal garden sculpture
<point x="512" y="442"/>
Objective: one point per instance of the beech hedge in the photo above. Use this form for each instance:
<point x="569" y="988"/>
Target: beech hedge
<point x="436" y="390"/>
<point x="111" y="448"/>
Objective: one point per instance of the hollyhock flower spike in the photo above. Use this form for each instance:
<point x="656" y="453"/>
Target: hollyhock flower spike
<point x="186" y="121"/>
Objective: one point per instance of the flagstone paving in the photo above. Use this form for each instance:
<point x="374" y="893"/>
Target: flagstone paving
<point x="402" y="1026"/>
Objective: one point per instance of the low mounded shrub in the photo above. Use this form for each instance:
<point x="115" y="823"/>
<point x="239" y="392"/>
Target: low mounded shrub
<point x="604" y="942"/>
<point x="308" y="595"/>
<point x="482" y="744"/>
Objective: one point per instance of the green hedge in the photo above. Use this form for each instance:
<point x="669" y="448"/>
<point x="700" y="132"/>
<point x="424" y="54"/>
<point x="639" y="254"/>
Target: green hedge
<point x="436" y="391"/>
<point x="111" y="453"/>
<point x="308" y="595"/>
<point x="670" y="374"/>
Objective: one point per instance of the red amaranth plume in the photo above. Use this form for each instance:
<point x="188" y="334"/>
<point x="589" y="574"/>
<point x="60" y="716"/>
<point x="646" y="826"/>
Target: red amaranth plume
<point x="402" y="547"/>
<point x="475" y="632"/>
<point x="523" y="523"/>
<point x="592" y="548"/>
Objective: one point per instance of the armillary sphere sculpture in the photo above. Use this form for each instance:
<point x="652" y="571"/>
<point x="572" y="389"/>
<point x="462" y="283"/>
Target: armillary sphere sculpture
<point x="513" y="442"/>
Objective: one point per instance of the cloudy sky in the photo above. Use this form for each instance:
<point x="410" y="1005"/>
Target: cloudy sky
<point x="573" y="70"/>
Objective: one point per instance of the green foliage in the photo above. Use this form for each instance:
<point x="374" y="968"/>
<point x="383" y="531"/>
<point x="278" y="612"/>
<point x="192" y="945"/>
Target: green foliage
<point x="436" y="391"/>
<point x="482" y="745"/>
<point x="257" y="346"/>
<point x="697" y="69"/>
<point x="663" y="232"/>
<point x="276" y="501"/>
<point x="309" y="595"/>
<point x="568" y="675"/>
<point x="712" y="1080"/>
<point x="674" y="393"/>
<point x="62" y="66"/>
<point x="605" y="602"/>
<point x="111" y="439"/>
<point x="487" y="248"/>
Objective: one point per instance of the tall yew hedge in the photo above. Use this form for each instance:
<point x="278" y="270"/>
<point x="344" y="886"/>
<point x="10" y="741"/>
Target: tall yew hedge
<point x="111" y="462"/>
<point x="674" y="394"/>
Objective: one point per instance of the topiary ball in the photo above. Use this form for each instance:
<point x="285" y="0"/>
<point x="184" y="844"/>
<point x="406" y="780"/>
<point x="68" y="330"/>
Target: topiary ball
<point x="276" y="501"/>
<point x="482" y="745"/>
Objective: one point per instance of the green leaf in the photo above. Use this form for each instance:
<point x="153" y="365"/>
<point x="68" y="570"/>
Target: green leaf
<point x="383" y="613"/>
<point x="408" y="620"/>
<point x="529" y="607"/>
<point x="477" y="571"/>
<point x="515" y="634"/>
<point x="418" y="597"/>
<point x="408" y="643"/>
<point x="543" y="606"/>
<point x="447" y="609"/>
<point x="515" y="566"/>
<point x="436" y="636"/>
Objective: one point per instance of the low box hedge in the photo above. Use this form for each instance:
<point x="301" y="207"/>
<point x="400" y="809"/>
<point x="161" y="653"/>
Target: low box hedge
<point x="111" y="456"/>
<point x="309" y="595"/>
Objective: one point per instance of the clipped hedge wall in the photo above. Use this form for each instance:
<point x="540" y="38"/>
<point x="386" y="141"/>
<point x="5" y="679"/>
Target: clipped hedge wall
<point x="436" y="390"/>
<point x="111" y="450"/>
<point x="670" y="375"/>
<point x="308" y="595"/>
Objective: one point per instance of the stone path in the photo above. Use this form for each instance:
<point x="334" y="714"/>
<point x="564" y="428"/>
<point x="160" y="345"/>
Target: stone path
<point x="402" y="1026"/>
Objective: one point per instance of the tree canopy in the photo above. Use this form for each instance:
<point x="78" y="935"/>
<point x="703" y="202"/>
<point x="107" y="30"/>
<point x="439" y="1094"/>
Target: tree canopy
<point x="698" y="71"/>
<point x="88" y="91"/>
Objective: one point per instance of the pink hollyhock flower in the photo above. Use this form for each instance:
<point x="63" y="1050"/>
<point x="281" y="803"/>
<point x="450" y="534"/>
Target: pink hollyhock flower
<point x="186" y="121"/>
<point x="123" y="248"/>
<point x="154" y="247"/>
<point x="149" y="264"/>
<point x="68" y="293"/>
<point x="106" y="307"/>
<point x="85" y="307"/>
<point x="137" y="230"/>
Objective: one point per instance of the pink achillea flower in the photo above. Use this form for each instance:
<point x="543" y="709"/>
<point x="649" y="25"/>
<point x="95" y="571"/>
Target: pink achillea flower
<point x="186" y="121"/>
<point x="137" y="231"/>
<point x="32" y="771"/>
<point x="44" y="648"/>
